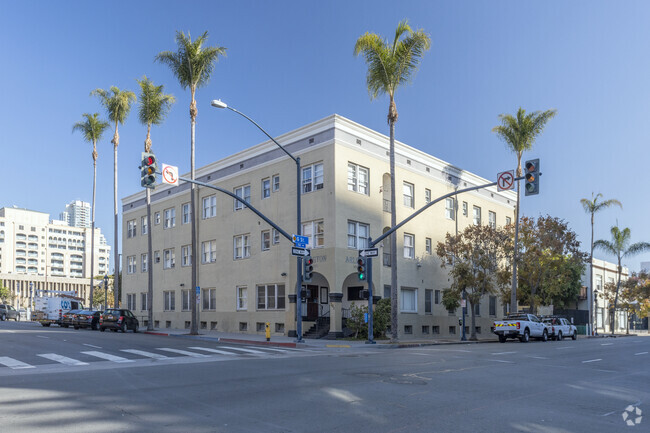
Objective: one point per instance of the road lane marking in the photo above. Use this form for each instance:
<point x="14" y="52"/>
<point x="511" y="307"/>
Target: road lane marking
<point x="274" y="349"/>
<point x="537" y="357"/>
<point x="641" y="353"/>
<point x="503" y="353"/>
<point x="566" y="347"/>
<point x="90" y="345"/>
<point x="592" y="360"/>
<point x="42" y="336"/>
<point x="13" y="363"/>
<point x="257" y="352"/>
<point x="208" y="349"/>
<point x="145" y="354"/>
<point x="62" y="359"/>
<point x="184" y="352"/>
<point x="606" y="344"/>
<point x="107" y="356"/>
<point x="500" y="360"/>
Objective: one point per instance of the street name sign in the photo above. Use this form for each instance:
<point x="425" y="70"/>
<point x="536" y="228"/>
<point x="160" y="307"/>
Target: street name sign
<point x="300" y="240"/>
<point x="296" y="251"/>
<point x="369" y="252"/>
<point x="505" y="180"/>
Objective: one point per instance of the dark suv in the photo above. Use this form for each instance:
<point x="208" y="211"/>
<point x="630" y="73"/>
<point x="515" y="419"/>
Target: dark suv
<point x="8" y="312"/>
<point x="118" y="319"/>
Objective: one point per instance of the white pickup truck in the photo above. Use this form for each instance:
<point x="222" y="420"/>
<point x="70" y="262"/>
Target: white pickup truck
<point x="522" y="326"/>
<point x="559" y="327"/>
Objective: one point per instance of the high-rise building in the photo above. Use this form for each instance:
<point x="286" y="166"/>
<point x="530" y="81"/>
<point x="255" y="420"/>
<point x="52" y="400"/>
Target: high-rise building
<point x="77" y="214"/>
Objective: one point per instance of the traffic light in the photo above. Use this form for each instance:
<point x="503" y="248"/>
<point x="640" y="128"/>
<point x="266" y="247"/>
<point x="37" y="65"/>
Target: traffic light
<point x="531" y="177"/>
<point x="148" y="170"/>
<point x="365" y="294"/>
<point x="361" y="268"/>
<point x="307" y="268"/>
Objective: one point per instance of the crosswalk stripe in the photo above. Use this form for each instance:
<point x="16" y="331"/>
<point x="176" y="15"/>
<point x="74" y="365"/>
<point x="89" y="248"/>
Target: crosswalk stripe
<point x="107" y="356"/>
<point x="13" y="363"/>
<point x="257" y="352"/>
<point x="184" y="352"/>
<point x="208" y="349"/>
<point x="272" y="349"/>
<point x="145" y="354"/>
<point x="62" y="359"/>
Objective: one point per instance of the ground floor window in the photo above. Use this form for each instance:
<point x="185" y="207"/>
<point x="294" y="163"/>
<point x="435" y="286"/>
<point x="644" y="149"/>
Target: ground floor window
<point x="270" y="297"/>
<point x="242" y="301"/>
<point x="143" y="301"/>
<point x="409" y="300"/>
<point x="130" y="301"/>
<point x="209" y="299"/>
<point x="170" y="300"/>
<point x="185" y="300"/>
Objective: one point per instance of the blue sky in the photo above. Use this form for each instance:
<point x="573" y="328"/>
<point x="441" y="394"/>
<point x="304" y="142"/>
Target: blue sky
<point x="290" y="63"/>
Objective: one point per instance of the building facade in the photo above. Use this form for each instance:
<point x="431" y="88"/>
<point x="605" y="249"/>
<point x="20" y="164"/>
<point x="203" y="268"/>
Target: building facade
<point x="605" y="273"/>
<point x="77" y="214"/>
<point x="246" y="272"/>
<point x="46" y="255"/>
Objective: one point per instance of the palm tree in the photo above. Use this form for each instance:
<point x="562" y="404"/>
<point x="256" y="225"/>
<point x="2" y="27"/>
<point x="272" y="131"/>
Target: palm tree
<point x="519" y="134"/>
<point x="192" y="64"/>
<point x="118" y="105"/>
<point x="389" y="66"/>
<point x="92" y="129"/>
<point x="154" y="106"/>
<point x="592" y="206"/>
<point x="620" y="247"/>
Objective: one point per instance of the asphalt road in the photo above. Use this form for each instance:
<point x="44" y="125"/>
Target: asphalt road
<point x="555" y="387"/>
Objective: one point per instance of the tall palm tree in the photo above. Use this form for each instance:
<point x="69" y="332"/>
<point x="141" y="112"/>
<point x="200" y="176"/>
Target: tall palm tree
<point x="592" y="206"/>
<point x="154" y="106"/>
<point x="92" y="130"/>
<point x="620" y="247"/>
<point x="192" y="64"/>
<point x="391" y="64"/>
<point x="118" y="105"/>
<point x="519" y="134"/>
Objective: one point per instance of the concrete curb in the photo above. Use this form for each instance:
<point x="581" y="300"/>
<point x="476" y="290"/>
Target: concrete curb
<point x="221" y="340"/>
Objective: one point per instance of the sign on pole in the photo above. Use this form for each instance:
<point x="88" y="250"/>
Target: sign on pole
<point x="296" y="251"/>
<point x="369" y="252"/>
<point x="304" y="240"/>
<point x="506" y="180"/>
<point x="170" y="174"/>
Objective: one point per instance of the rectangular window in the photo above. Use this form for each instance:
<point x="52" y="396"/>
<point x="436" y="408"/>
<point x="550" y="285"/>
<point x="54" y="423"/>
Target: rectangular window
<point x="266" y="240"/>
<point x="358" y="234"/>
<point x="428" y="300"/>
<point x="427" y="245"/>
<point x="143" y="301"/>
<point x="156" y="218"/>
<point x="315" y="231"/>
<point x="185" y="300"/>
<point x="130" y="267"/>
<point x="270" y="297"/>
<point x="409" y="246"/>
<point x="241" y="247"/>
<point x="465" y="208"/>
<point x="408" y="189"/>
<point x="492" y="219"/>
<point x="386" y="291"/>
<point x="209" y="297"/>
<point x="425" y="329"/>
<point x="358" y="178"/>
<point x="210" y="206"/>
<point x="276" y="183"/>
<point x="156" y="256"/>
<point x="493" y="305"/>
<point x="169" y="258"/>
<point x="170" y="218"/>
<point x="437" y="297"/>
<point x="187" y="213"/>
<point x="409" y="300"/>
<point x="450" y="212"/>
<point x="208" y="251"/>
<point x="130" y="229"/>
<point x="452" y="330"/>
<point x="266" y="188"/>
<point x="427" y="195"/>
<point x="276" y="237"/>
<point x="508" y="220"/>
<point x="170" y="300"/>
<point x="476" y="215"/>
<point x="477" y="309"/>
<point x="242" y="298"/>
<point x="144" y="224"/>
<point x="312" y="178"/>
<point x="243" y="192"/>
<point x="130" y="301"/>
<point x="186" y="255"/>
<point x="144" y="261"/>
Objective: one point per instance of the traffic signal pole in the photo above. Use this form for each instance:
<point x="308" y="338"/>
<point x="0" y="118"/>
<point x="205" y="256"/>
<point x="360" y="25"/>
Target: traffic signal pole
<point x="371" y="337"/>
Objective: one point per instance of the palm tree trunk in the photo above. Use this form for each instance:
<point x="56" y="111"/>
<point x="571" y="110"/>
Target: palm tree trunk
<point x="393" y="237"/>
<point x="513" y="293"/>
<point x="618" y="287"/>
<point x="592" y="304"/>
<point x="116" y="286"/>
<point x="92" y="234"/>
<point x="194" y="329"/>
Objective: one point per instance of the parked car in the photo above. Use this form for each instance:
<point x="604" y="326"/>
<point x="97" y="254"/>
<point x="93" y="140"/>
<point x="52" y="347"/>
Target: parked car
<point x="87" y="319"/>
<point x="522" y="326"/>
<point x="559" y="327"/>
<point x="118" y="319"/>
<point x="8" y="312"/>
<point x="67" y="319"/>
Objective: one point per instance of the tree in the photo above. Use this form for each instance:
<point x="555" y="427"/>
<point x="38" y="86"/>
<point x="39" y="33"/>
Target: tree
<point x="620" y="247"/>
<point x="551" y="263"/>
<point x="636" y="294"/>
<point x="592" y="207"/>
<point x="5" y="293"/>
<point x="477" y="256"/>
<point x="381" y="317"/>
<point x="154" y="106"/>
<point x="519" y="133"/>
<point x="391" y="65"/>
<point x="92" y="130"/>
<point x="118" y="105"/>
<point x="192" y="64"/>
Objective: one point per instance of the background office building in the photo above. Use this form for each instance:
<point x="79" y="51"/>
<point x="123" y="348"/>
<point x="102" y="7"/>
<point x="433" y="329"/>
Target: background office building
<point x="246" y="272"/>
<point x="45" y="255"/>
<point x="77" y="214"/>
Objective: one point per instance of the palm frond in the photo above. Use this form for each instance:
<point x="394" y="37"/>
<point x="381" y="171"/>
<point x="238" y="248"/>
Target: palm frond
<point x="116" y="102"/>
<point x="92" y="128"/>
<point x="637" y="248"/>
<point x="605" y="246"/>
<point x="154" y="104"/>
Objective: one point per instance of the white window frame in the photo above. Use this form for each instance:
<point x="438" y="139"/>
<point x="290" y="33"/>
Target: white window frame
<point x="411" y="292"/>
<point x="427" y="195"/>
<point x="144" y="301"/>
<point x="144" y="225"/>
<point x="408" y="192"/>
<point x="313" y="178"/>
<point x="186" y="210"/>
<point x="145" y="262"/>
<point x="315" y="232"/>
<point x="409" y="246"/>
<point x="185" y="300"/>
<point x="266" y="188"/>
<point x="169" y="258"/>
<point x="243" y="192"/>
<point x="266" y="240"/>
<point x="242" y="298"/>
<point x="476" y="215"/>
<point x="209" y="298"/>
<point x="465" y="209"/>
<point x="208" y="251"/>
<point x="130" y="301"/>
<point x="131" y="265"/>
<point x="276" y="183"/>
<point x="450" y="213"/>
<point x="186" y="255"/>
<point x="427" y="246"/>
<point x="241" y="246"/>
<point x="276" y="237"/>
<point x="272" y="294"/>
<point x="169" y="297"/>
<point x="169" y="218"/>
<point x="131" y="229"/>
<point x="356" y="240"/>
<point x="358" y="178"/>
<point x="156" y="218"/>
<point x="492" y="219"/>
<point x="209" y="206"/>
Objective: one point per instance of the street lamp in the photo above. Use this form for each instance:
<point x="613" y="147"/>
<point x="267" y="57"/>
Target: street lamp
<point x="595" y="312"/>
<point x="218" y="103"/>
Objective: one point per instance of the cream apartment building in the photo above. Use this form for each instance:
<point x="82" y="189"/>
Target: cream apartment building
<point x="42" y="255"/>
<point x="605" y="273"/>
<point x="246" y="272"/>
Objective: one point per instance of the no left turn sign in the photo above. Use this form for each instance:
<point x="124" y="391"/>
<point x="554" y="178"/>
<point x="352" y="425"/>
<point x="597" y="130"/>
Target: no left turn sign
<point x="506" y="180"/>
<point x="170" y="174"/>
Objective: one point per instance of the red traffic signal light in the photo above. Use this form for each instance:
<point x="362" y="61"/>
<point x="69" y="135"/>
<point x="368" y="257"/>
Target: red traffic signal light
<point x="307" y="268"/>
<point x="148" y="170"/>
<point x="361" y="268"/>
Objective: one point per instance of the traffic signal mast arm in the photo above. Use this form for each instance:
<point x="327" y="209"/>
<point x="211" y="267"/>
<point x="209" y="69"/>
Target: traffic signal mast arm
<point x="428" y="205"/>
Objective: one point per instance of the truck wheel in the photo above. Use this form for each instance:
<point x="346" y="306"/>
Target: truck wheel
<point x="545" y="335"/>
<point x="574" y="336"/>
<point x="502" y="338"/>
<point x="3" y="317"/>
<point x="102" y="329"/>
<point x="559" y="336"/>
<point x="526" y="337"/>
